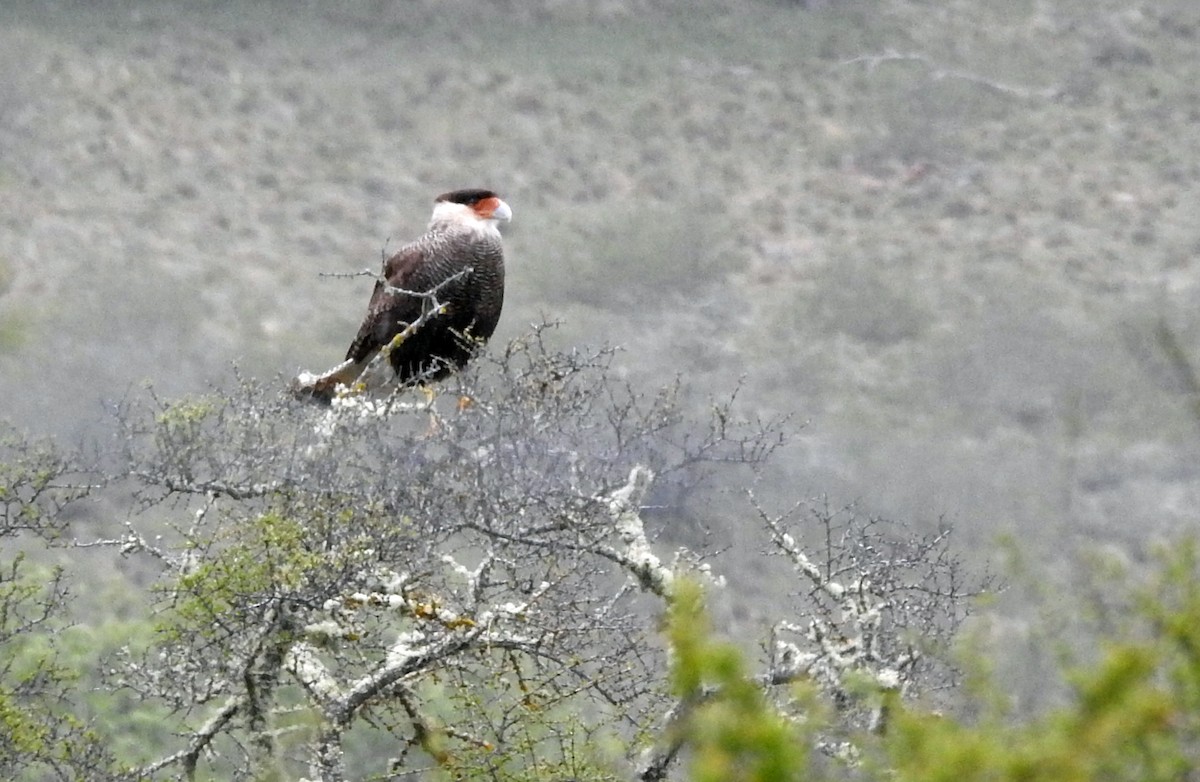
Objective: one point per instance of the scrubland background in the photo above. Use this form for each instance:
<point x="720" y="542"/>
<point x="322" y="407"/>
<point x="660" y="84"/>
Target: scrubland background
<point x="958" y="241"/>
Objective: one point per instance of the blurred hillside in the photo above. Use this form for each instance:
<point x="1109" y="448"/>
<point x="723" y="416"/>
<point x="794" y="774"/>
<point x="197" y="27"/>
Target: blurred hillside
<point x="958" y="239"/>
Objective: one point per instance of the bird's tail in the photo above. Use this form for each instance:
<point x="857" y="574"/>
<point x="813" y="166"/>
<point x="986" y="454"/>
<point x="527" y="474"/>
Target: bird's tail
<point x="321" y="389"/>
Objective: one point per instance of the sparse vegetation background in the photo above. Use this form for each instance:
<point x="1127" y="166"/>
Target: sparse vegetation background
<point x="955" y="242"/>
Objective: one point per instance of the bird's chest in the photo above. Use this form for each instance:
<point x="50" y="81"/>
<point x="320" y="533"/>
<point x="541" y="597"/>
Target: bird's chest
<point x="474" y="286"/>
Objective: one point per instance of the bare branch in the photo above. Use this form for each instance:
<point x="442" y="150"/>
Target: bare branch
<point x="199" y="742"/>
<point x="350" y="275"/>
<point x="624" y="506"/>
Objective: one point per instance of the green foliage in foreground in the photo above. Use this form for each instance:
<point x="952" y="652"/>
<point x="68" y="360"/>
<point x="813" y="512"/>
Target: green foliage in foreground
<point x="733" y="731"/>
<point x="1134" y="713"/>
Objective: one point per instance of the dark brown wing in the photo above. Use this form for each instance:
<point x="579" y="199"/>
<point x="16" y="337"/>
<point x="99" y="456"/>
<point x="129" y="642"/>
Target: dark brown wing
<point x="386" y="310"/>
<point x="472" y="305"/>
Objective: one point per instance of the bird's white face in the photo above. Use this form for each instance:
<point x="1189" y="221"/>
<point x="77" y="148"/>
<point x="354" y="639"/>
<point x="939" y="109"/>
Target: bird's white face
<point x="483" y="216"/>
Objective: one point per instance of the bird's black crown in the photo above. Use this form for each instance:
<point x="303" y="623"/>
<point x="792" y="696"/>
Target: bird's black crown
<point x="468" y="197"/>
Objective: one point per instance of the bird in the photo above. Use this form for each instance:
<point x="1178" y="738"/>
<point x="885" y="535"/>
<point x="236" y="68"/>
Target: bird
<point x="437" y="301"/>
